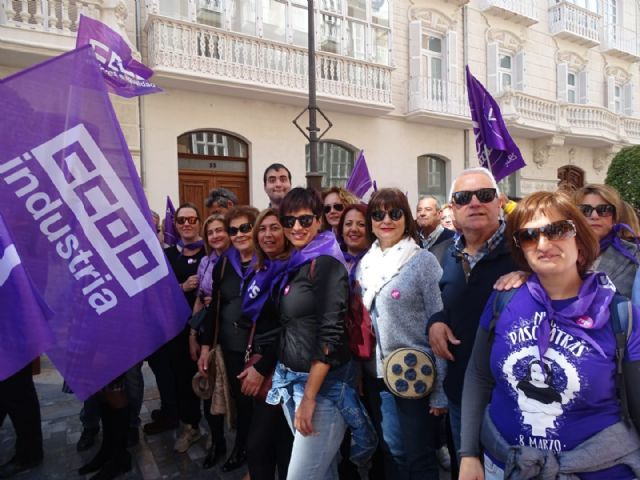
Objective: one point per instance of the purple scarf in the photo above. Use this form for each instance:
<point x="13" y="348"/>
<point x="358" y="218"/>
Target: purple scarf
<point x="590" y="310"/>
<point x="612" y="239"/>
<point x="233" y="256"/>
<point x="259" y="289"/>
<point x="324" y="243"/>
<point x="352" y="264"/>
<point x="190" y="246"/>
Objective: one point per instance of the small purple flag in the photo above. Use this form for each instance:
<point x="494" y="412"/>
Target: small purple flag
<point x="125" y="76"/>
<point x="79" y="218"/>
<point x="496" y="149"/>
<point x="359" y="182"/>
<point x="24" y="326"/>
<point x="170" y="235"/>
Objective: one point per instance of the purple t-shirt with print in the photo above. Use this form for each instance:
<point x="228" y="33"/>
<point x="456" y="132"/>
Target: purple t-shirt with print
<point x="560" y="402"/>
<point x="205" y="274"/>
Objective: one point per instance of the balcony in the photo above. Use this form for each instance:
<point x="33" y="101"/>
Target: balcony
<point x="575" y="23"/>
<point x="432" y="100"/>
<point x="522" y="12"/>
<point x="182" y="51"/>
<point x="632" y="129"/>
<point x="620" y="42"/>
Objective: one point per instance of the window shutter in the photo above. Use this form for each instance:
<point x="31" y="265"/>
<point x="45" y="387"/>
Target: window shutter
<point x="519" y="71"/>
<point x="452" y="57"/>
<point x="610" y="93"/>
<point x="492" y="68"/>
<point x="627" y="99"/>
<point x="583" y="87"/>
<point x="562" y="70"/>
<point x="415" y="49"/>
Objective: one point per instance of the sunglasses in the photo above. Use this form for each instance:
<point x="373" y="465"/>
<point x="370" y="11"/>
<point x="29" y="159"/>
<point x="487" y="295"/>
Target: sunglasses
<point x="484" y="195"/>
<point x="189" y="220"/>
<point x="561" y="230"/>
<point x="244" y="228"/>
<point x="603" y="210"/>
<point x="288" y="221"/>
<point x="395" y="214"/>
<point x="338" y="207"/>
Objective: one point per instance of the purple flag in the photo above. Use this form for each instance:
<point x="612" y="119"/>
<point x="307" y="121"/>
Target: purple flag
<point x="496" y="149"/>
<point x="24" y="328"/>
<point x="359" y="182"/>
<point x="170" y="236"/>
<point x="79" y="218"/>
<point x="125" y="76"/>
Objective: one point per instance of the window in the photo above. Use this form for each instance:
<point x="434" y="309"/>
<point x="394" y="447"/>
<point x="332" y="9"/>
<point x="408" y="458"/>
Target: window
<point x="617" y="99"/>
<point x="432" y="177"/>
<point x="211" y="143"/>
<point x="505" y="71"/>
<point x="509" y="185"/>
<point x="335" y="163"/>
<point x="572" y="88"/>
<point x="432" y="56"/>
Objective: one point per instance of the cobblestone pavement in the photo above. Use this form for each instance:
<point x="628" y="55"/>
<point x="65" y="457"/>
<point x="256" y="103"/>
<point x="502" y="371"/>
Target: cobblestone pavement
<point x="153" y="457"/>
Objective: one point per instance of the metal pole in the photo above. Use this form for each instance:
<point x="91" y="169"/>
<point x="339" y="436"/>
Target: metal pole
<point x="314" y="178"/>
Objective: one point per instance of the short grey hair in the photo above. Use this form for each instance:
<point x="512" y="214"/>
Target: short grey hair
<point x="472" y="171"/>
<point x="429" y="197"/>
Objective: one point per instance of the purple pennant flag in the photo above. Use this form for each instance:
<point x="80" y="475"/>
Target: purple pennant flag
<point x="79" y="218"/>
<point x="24" y="326"/>
<point x="359" y="182"/>
<point x="170" y="236"/>
<point x="125" y="76"/>
<point x="496" y="149"/>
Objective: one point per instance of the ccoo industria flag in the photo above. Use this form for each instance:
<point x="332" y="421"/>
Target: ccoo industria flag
<point x="72" y="199"/>
<point x="125" y="76"/>
<point x="496" y="149"/>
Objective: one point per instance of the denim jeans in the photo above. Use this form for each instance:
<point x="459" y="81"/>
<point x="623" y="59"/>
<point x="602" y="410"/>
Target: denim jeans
<point x="491" y="470"/>
<point x="455" y="419"/>
<point x="407" y="430"/>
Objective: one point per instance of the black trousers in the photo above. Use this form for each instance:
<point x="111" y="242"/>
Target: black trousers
<point x="234" y="363"/>
<point x="18" y="399"/>
<point x="184" y="370"/>
<point x="270" y="442"/>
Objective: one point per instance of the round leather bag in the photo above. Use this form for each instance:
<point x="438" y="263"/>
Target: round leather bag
<point x="409" y="373"/>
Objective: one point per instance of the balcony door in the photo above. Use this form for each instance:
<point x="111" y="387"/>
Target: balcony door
<point x="432" y="62"/>
<point x="209" y="159"/>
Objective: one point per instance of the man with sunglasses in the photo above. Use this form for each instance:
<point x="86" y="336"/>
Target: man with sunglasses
<point x="478" y="256"/>
<point x="432" y="235"/>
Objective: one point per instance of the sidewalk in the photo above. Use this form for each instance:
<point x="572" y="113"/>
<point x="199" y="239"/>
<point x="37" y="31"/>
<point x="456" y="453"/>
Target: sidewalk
<point x="153" y="457"/>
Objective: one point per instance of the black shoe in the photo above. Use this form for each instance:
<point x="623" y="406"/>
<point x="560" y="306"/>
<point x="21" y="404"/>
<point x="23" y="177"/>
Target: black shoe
<point x="160" y="425"/>
<point x="214" y="454"/>
<point x="95" y="464"/>
<point x="13" y="467"/>
<point x="133" y="437"/>
<point x="235" y="460"/>
<point x="114" y="468"/>
<point x="157" y="414"/>
<point x="87" y="438"/>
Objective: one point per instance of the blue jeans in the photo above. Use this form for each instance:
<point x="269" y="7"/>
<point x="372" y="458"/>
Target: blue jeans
<point x="455" y="415"/>
<point x="407" y="430"/>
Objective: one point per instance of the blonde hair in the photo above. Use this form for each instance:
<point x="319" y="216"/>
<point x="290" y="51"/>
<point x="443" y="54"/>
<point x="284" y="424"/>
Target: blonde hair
<point x="216" y="217"/>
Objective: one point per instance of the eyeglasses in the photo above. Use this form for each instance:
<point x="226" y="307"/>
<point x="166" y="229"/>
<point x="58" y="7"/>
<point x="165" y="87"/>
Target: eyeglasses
<point x="603" y="210"/>
<point x="395" y="214"/>
<point x="338" y="207"/>
<point x="244" y="228"/>
<point x="560" y="230"/>
<point x="288" y="221"/>
<point x="484" y="195"/>
<point x="189" y="220"/>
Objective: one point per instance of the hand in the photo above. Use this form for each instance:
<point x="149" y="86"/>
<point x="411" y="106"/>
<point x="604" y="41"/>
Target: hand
<point x="511" y="280"/>
<point x="440" y="335"/>
<point x="437" y="411"/>
<point x="471" y="469"/>
<point x="190" y="283"/>
<point x="303" y="421"/>
<point x="207" y="301"/>
<point x="250" y="381"/>
<point x="203" y="361"/>
<point x="194" y="348"/>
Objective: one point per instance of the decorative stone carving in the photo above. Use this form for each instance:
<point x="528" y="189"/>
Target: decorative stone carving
<point x="508" y="40"/>
<point x="432" y="18"/>
<point x="544" y="148"/>
<point x="572" y="156"/>
<point x="602" y="157"/>
<point x="620" y="74"/>
<point x="575" y="61"/>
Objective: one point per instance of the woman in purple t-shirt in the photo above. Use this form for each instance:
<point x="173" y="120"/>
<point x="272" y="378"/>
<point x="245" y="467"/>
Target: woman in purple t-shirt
<point x="545" y="372"/>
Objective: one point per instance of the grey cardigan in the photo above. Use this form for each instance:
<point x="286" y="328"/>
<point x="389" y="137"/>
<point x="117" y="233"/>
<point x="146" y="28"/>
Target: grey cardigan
<point x="403" y="307"/>
<point x="619" y="268"/>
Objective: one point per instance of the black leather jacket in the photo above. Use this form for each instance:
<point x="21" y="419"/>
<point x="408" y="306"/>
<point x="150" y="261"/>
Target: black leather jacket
<point x="312" y="313"/>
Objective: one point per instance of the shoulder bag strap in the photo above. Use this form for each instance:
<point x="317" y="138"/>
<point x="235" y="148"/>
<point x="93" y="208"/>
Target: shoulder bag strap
<point x="217" y="325"/>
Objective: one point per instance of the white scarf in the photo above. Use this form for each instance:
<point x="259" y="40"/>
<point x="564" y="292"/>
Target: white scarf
<point x="378" y="267"/>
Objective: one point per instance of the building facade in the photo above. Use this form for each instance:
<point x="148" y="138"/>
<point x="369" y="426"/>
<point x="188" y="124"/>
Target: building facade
<point x="390" y="79"/>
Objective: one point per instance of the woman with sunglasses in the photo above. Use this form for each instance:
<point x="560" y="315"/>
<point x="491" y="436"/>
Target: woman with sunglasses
<point x="399" y="286"/>
<point x="229" y="276"/>
<point x="270" y="440"/>
<point x="314" y="377"/>
<point x="217" y="242"/>
<point x="543" y="368"/>
<point x="172" y="363"/>
<point x="335" y="199"/>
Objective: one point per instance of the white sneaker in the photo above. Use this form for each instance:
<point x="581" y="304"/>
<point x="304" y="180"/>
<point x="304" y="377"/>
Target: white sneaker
<point x="188" y="437"/>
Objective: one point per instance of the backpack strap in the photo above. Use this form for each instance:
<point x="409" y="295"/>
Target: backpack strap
<point x="500" y="301"/>
<point x="622" y="322"/>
